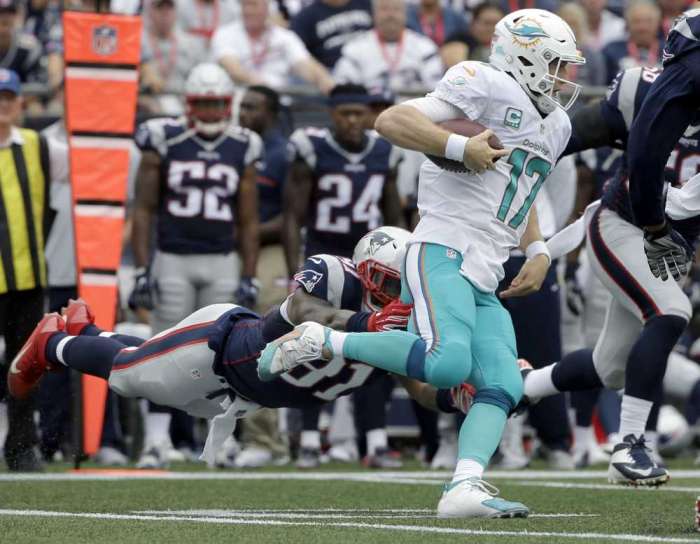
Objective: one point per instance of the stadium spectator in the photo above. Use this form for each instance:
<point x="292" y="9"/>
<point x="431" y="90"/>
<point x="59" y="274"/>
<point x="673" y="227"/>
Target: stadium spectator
<point x="593" y="72"/>
<point x="643" y="47"/>
<point x="475" y="44"/>
<point x="390" y="55"/>
<point x="435" y="21"/>
<point x="19" y="51"/>
<point x="603" y="26"/>
<point x="255" y="51"/>
<point x="325" y="26"/>
<point x="40" y="20"/>
<point x="26" y="163"/>
<point x="168" y="54"/>
<point x="201" y="18"/>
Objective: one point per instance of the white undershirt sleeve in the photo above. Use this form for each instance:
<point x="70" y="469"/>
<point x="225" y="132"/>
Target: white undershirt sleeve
<point x="436" y="109"/>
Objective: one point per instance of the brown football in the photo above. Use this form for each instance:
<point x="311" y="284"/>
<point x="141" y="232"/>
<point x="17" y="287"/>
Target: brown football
<point x="468" y="128"/>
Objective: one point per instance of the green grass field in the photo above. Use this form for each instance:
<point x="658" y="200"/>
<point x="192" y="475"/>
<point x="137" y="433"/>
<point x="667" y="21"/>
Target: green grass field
<point x="334" y="505"/>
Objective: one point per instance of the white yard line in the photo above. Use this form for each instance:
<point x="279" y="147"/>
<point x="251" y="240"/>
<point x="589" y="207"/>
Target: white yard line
<point x="408" y="477"/>
<point x="609" y="487"/>
<point x="408" y="513"/>
<point x="352" y="525"/>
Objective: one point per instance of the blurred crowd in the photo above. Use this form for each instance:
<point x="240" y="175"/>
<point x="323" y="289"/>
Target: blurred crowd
<point x="305" y="48"/>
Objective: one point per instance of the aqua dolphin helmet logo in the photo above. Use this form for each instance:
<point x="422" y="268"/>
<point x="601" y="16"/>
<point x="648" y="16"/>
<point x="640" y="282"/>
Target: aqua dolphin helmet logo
<point x="527" y="32"/>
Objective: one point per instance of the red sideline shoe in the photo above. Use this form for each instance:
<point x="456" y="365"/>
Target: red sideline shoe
<point x="78" y="315"/>
<point x="29" y="365"/>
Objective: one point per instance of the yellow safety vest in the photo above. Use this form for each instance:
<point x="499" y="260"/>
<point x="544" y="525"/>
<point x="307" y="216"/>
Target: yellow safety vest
<point x="23" y="212"/>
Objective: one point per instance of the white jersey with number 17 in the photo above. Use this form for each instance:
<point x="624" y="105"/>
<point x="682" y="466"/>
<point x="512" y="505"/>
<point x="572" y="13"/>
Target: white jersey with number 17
<point x="484" y="215"/>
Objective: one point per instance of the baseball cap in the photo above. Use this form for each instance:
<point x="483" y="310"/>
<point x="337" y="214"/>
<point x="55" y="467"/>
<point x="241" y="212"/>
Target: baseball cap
<point x="9" y="81"/>
<point x="8" y="6"/>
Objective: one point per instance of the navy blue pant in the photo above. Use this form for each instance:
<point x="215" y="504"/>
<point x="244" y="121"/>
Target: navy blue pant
<point x="537" y="319"/>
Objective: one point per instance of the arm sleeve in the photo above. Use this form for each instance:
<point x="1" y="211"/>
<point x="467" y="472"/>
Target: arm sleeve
<point x="466" y="85"/>
<point x="662" y="119"/>
<point x="436" y="109"/>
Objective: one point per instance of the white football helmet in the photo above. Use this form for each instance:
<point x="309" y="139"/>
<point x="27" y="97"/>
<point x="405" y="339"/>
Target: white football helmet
<point x="525" y="44"/>
<point x="209" y="92"/>
<point x="379" y="256"/>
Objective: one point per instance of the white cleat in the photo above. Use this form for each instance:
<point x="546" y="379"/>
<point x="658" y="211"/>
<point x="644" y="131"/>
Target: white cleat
<point x="303" y="345"/>
<point x="631" y="464"/>
<point x="253" y="457"/>
<point x="475" y="498"/>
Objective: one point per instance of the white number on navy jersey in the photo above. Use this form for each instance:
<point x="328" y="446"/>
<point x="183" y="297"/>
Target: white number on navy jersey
<point x="366" y="207"/>
<point x="686" y="168"/>
<point x="360" y="373"/>
<point x="210" y="202"/>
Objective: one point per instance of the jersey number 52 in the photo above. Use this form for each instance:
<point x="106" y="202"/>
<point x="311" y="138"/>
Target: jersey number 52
<point x="211" y="200"/>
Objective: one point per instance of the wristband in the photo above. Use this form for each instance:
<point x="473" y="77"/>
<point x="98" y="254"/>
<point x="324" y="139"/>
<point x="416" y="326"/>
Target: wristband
<point x="537" y="248"/>
<point x="443" y="399"/>
<point x="357" y="322"/>
<point x="140" y="271"/>
<point x="454" y="149"/>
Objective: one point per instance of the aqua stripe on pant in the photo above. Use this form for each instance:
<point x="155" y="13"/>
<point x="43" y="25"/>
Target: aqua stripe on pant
<point x="465" y="335"/>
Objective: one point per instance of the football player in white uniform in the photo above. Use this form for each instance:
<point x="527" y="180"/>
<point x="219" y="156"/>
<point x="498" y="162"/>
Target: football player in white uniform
<point x="468" y="224"/>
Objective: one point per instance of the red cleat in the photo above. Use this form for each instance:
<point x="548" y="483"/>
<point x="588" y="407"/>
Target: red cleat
<point x="29" y="365"/>
<point x="78" y="315"/>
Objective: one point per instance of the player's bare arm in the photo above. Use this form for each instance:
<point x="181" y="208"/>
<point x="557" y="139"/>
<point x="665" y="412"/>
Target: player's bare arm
<point x="407" y="127"/>
<point x="391" y="203"/>
<point x="295" y="206"/>
<point x="532" y="274"/>
<point x="248" y="222"/>
<point x="302" y="307"/>
<point x="145" y="206"/>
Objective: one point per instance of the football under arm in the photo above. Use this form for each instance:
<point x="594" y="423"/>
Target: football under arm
<point x="412" y="125"/>
<point x="301" y="307"/>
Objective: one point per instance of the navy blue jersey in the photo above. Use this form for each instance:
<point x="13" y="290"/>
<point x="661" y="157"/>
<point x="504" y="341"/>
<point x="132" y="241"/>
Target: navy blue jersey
<point x="272" y="174"/>
<point x="603" y="162"/>
<point x="198" y="183"/>
<point x="347" y="188"/>
<point x="325" y="29"/>
<point x="625" y="98"/>
<point x="670" y="105"/>
<point x="333" y="279"/>
<point x="239" y="341"/>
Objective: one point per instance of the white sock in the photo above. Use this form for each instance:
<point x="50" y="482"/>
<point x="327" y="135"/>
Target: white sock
<point x="337" y="339"/>
<point x="310" y="440"/>
<point x="634" y="415"/>
<point x="539" y="383"/>
<point x="60" y="347"/>
<point x="467" y="468"/>
<point x="156" y="429"/>
<point x="583" y="438"/>
<point x="377" y="439"/>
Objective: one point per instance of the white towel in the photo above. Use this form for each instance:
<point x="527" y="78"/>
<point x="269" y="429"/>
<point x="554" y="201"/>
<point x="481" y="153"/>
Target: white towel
<point x="223" y="425"/>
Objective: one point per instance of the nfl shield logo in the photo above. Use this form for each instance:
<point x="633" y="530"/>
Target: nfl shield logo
<point x="104" y="40"/>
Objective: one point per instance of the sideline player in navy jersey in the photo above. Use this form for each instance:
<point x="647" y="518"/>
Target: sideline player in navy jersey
<point x="197" y="182"/>
<point x="646" y="314"/>
<point x="342" y="182"/>
<point x="207" y="364"/>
